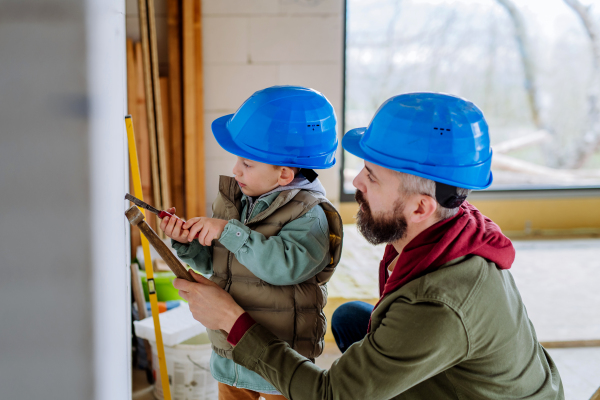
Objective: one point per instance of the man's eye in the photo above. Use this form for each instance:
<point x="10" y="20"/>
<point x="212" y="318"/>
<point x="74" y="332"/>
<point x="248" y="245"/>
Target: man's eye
<point x="371" y="179"/>
<point x="246" y="165"/>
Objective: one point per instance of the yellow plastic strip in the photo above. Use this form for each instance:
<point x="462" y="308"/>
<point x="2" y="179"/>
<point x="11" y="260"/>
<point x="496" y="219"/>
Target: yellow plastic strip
<point x="137" y="192"/>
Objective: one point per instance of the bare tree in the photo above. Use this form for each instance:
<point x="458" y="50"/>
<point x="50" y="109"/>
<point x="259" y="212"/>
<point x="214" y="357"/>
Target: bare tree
<point x="590" y="141"/>
<point x="526" y="59"/>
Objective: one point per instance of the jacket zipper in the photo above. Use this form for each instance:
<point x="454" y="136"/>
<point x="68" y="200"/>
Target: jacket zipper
<point x="249" y="213"/>
<point x="235" y="368"/>
<point x="229" y="274"/>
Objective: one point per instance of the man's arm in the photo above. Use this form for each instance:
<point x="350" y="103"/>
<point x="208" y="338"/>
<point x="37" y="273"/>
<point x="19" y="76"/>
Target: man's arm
<point x="413" y="343"/>
<point x="298" y="252"/>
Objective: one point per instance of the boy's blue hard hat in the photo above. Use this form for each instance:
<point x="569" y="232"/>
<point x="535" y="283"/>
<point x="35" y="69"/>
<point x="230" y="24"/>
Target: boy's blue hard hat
<point x="432" y="135"/>
<point x="281" y="125"/>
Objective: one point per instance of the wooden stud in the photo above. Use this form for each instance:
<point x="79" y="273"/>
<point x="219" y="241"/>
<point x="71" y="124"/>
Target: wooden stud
<point x="160" y="138"/>
<point x="131" y="80"/>
<point x="132" y="110"/>
<point x="138" y="291"/>
<point x="199" y="110"/>
<point x="175" y="106"/>
<point x="142" y="138"/>
<point x="189" y="109"/>
<point x="149" y="91"/>
<point x="164" y="94"/>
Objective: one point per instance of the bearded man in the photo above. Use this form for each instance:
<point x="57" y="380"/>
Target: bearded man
<point x="450" y="323"/>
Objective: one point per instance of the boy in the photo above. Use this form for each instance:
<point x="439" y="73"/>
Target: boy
<point x="274" y="239"/>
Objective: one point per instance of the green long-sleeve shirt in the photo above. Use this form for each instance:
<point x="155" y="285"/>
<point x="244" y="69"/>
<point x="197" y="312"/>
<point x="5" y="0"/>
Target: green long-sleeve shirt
<point x="297" y="253"/>
<point x="461" y="332"/>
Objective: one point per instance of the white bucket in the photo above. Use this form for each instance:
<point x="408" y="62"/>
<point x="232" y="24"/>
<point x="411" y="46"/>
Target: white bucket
<point x="188" y="365"/>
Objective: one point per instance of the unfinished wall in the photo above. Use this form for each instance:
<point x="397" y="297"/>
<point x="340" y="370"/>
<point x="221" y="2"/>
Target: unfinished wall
<point x="64" y="292"/>
<point x="250" y="45"/>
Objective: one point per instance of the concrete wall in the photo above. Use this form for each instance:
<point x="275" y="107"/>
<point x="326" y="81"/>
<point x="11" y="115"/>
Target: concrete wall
<point x="64" y="291"/>
<point x="250" y="45"/>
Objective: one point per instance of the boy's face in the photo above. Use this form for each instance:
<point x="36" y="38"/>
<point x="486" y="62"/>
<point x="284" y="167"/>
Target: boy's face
<point x="256" y="178"/>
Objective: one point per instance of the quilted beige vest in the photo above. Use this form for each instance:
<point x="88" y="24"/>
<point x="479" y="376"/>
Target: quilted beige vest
<point x="294" y="313"/>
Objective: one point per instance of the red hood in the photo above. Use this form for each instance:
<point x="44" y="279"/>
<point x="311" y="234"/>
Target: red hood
<point x="467" y="233"/>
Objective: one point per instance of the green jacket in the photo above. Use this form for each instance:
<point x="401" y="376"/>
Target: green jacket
<point x="461" y="332"/>
<point x="281" y="255"/>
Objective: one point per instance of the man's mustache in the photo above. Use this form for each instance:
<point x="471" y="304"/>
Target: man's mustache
<point x="360" y="198"/>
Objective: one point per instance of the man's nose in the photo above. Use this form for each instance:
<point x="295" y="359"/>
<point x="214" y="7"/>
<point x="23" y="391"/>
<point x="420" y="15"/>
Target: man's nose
<point x="357" y="183"/>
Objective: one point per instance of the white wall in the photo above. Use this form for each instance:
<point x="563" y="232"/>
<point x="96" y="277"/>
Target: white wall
<point x="64" y="291"/>
<point x="250" y="45"/>
<point x="108" y="179"/>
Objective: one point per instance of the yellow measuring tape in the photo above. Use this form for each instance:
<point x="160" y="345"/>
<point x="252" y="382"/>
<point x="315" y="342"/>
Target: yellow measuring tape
<point x="137" y="190"/>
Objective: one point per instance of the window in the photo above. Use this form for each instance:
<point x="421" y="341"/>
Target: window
<point x="530" y="65"/>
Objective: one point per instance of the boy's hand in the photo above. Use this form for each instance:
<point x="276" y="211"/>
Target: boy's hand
<point x="172" y="226"/>
<point x="206" y="228"/>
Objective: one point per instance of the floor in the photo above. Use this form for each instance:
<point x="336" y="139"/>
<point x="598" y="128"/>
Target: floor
<point x="559" y="283"/>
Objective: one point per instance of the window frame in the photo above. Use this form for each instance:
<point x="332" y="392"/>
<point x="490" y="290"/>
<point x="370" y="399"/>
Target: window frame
<point x="521" y="192"/>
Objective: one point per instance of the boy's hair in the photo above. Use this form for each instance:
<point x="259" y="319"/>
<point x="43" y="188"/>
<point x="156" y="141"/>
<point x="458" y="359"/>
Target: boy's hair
<point x="412" y="184"/>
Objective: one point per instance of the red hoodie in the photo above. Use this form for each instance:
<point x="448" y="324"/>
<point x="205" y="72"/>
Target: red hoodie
<point x="467" y="233"/>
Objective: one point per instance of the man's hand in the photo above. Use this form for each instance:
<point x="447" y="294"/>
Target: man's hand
<point x="172" y="227"/>
<point x="206" y="228"/>
<point x="210" y="305"/>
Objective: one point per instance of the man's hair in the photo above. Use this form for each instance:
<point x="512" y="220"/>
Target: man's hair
<point x="412" y="184"/>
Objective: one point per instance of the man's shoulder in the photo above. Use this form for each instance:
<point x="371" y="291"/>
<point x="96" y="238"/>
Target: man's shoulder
<point x="459" y="284"/>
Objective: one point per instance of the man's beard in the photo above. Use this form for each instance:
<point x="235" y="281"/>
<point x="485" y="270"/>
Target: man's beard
<point x="386" y="228"/>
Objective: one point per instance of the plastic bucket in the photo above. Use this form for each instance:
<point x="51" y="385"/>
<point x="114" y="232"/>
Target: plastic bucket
<point x="188" y="365"/>
<point x="163" y="282"/>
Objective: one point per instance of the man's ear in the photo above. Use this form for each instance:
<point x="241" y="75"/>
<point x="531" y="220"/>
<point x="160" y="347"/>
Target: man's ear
<point x="424" y="207"/>
<point x="286" y="175"/>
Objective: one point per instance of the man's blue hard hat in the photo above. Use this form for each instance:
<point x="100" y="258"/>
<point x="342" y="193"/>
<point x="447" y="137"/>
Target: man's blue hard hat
<point x="291" y="126"/>
<point x="432" y="135"/>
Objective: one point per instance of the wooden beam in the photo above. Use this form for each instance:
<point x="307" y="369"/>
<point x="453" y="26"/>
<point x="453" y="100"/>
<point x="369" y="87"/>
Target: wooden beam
<point x="189" y="108"/>
<point x="132" y="110"/>
<point x="131" y="79"/>
<point x="164" y="94"/>
<point x="177" y="177"/>
<point x="199" y="111"/>
<point x="142" y="140"/>
<point x="138" y="291"/>
<point x="596" y="396"/>
<point x="567" y="344"/>
<point x="158" y="109"/>
<point x="149" y="91"/>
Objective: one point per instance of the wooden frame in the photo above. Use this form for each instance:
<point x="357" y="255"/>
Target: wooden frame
<point x="150" y="117"/>
<point x="163" y="174"/>
<point x="176" y="164"/>
<point x="193" y="109"/>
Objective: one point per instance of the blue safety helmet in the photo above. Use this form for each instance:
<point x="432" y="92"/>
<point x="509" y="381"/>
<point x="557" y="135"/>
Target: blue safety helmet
<point x="291" y="126"/>
<point x="432" y="135"/>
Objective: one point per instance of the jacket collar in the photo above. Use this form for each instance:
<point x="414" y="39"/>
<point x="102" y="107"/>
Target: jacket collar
<point x="230" y="189"/>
